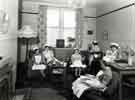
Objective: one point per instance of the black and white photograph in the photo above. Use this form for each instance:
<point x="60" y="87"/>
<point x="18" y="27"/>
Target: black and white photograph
<point x="67" y="49"/>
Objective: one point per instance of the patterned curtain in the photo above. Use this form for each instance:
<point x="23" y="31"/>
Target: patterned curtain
<point x="79" y="27"/>
<point x="42" y="24"/>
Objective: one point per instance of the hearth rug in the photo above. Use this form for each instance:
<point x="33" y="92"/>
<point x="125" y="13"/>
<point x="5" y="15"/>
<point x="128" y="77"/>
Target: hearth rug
<point x="42" y="94"/>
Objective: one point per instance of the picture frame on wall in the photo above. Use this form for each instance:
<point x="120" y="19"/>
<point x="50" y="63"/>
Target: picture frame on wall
<point x="105" y="35"/>
<point x="90" y="32"/>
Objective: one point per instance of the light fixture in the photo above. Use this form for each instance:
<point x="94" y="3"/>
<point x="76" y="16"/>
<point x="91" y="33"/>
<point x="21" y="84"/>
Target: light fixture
<point x="77" y="3"/>
<point x="27" y="33"/>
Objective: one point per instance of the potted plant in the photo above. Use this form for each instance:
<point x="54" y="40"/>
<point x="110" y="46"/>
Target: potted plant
<point x="71" y="42"/>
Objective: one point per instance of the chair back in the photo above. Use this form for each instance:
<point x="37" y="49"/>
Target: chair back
<point x="63" y="53"/>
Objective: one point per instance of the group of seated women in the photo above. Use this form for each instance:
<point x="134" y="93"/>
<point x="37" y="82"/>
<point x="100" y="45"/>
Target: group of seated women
<point x="97" y="76"/>
<point x="110" y="55"/>
<point x="43" y="58"/>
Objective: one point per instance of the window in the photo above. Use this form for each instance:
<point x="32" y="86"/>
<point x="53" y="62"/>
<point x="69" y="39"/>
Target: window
<point x="69" y="24"/>
<point x="52" y="17"/>
<point x="60" y="24"/>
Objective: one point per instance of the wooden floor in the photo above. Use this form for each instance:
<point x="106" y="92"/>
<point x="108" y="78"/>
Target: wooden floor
<point x="128" y="92"/>
<point x="19" y="97"/>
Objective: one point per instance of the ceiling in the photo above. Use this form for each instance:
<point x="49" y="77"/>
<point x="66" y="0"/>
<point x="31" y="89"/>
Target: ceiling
<point x="91" y="3"/>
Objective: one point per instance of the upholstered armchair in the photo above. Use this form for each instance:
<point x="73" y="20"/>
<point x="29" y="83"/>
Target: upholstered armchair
<point x="111" y="93"/>
<point x="32" y="74"/>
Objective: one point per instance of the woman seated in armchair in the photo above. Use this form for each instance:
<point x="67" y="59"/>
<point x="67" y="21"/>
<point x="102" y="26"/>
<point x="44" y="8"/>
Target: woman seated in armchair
<point x="76" y="60"/>
<point x="48" y="54"/>
<point x="38" y="62"/>
<point x="112" y="54"/>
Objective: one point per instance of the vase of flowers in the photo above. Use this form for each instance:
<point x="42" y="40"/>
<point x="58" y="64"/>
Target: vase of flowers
<point x="128" y="53"/>
<point x="71" y="42"/>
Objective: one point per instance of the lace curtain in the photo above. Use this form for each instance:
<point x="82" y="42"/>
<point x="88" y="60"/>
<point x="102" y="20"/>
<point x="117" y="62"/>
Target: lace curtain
<point x="79" y="27"/>
<point x="42" y="24"/>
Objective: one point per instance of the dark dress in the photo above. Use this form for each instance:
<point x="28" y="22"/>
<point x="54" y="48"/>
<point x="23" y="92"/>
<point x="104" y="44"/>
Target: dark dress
<point x="95" y="67"/>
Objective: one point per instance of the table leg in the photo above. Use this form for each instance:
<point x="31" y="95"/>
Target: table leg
<point x="120" y="87"/>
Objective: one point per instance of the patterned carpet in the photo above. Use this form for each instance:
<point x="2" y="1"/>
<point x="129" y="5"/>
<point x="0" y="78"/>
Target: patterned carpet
<point x="43" y="94"/>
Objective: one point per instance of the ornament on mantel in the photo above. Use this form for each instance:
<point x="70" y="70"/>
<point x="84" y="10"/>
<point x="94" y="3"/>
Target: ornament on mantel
<point x="4" y="22"/>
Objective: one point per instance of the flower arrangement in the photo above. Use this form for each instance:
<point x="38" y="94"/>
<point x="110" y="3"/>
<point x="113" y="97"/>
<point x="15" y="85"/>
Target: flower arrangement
<point x="128" y="54"/>
<point x="71" y="41"/>
<point x="128" y="50"/>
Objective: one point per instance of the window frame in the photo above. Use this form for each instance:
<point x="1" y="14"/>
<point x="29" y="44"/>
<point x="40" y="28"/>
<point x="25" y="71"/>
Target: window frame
<point x="61" y="25"/>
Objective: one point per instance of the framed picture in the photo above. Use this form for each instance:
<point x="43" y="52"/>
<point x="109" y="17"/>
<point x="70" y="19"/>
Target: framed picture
<point x="90" y="32"/>
<point x="105" y="35"/>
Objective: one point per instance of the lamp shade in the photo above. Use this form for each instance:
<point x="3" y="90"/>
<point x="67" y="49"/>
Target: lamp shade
<point x="27" y="32"/>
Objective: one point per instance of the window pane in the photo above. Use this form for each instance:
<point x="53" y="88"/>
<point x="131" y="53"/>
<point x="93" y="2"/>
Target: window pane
<point x="69" y="18"/>
<point x="52" y="17"/>
<point x="68" y="32"/>
<point x="60" y="25"/>
<point x="52" y="35"/>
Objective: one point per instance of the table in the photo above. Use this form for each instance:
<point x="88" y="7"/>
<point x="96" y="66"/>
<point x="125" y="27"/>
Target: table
<point x="122" y="69"/>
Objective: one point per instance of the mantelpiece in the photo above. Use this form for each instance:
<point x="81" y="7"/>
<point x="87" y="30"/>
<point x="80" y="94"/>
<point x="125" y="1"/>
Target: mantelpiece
<point x="6" y="86"/>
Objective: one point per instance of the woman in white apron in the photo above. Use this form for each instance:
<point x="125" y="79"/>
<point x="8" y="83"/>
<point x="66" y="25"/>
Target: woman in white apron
<point x="76" y="60"/>
<point x="38" y="61"/>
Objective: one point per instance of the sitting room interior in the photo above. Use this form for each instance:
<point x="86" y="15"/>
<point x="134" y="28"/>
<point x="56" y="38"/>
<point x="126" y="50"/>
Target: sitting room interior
<point x="28" y="27"/>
